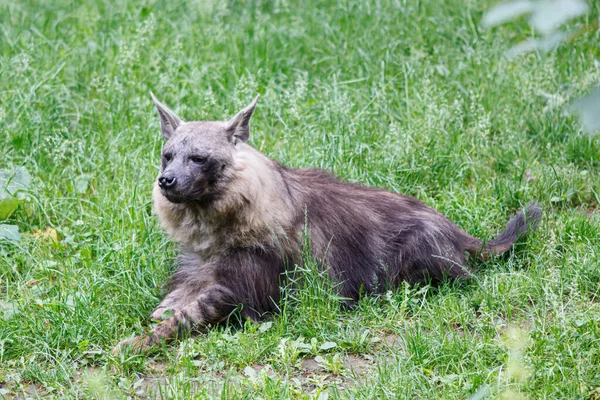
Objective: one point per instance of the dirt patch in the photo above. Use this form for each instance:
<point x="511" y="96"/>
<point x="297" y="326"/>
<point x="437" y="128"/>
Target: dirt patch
<point x="392" y="341"/>
<point x="359" y="366"/>
<point x="310" y="365"/>
<point x="345" y="371"/>
<point x="349" y="366"/>
<point x="260" y="367"/>
<point x="22" y="391"/>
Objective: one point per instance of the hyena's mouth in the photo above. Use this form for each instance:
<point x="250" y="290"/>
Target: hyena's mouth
<point x="176" y="196"/>
<point x="173" y="197"/>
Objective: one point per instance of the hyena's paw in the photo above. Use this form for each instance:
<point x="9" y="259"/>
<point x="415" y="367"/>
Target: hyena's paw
<point x="161" y="313"/>
<point x="136" y="344"/>
<point x="163" y="332"/>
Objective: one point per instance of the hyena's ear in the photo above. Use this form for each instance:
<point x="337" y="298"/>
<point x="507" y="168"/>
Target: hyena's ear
<point x="169" y="121"/>
<point x="238" y="127"/>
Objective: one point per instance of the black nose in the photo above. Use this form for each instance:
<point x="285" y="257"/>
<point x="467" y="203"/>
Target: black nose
<point x="166" y="182"/>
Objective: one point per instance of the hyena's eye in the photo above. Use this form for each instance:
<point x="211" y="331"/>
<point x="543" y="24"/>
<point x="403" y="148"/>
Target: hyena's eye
<point x="198" y="159"/>
<point x="167" y="157"/>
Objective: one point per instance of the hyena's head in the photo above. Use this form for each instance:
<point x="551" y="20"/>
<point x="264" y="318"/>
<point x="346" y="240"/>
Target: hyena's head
<point x="197" y="156"/>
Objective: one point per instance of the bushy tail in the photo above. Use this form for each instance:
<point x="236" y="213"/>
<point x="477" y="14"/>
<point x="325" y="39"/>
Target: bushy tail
<point x="518" y="226"/>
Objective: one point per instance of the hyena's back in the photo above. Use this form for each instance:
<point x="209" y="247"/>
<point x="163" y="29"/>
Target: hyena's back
<point x="373" y="239"/>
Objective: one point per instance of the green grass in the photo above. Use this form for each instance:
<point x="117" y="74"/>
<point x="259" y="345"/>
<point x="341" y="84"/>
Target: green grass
<point x="412" y="96"/>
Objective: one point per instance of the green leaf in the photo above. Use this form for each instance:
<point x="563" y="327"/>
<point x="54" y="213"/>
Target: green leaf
<point x="82" y="183"/>
<point x="265" y="326"/>
<point x="8" y="309"/>
<point x="250" y="372"/>
<point x="14" y="186"/>
<point x="327" y="345"/>
<point x="10" y="232"/>
<point x="15" y="183"/>
<point x="8" y="205"/>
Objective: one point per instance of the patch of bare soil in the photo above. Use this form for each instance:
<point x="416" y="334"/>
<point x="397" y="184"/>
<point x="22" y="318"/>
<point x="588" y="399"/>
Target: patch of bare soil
<point x="22" y="390"/>
<point x="316" y="372"/>
<point x="392" y="341"/>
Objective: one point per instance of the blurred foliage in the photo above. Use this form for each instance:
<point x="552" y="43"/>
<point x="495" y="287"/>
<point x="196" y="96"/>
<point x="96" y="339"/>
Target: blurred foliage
<point x="546" y="17"/>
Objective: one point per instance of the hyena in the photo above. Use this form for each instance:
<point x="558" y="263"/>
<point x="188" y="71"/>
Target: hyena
<point x="240" y="218"/>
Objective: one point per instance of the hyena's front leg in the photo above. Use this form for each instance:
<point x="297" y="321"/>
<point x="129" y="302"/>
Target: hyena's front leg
<point x="212" y="305"/>
<point x="174" y="301"/>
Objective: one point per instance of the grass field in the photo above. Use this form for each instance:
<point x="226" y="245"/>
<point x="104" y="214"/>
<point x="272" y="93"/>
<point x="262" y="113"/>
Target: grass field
<point x="413" y="96"/>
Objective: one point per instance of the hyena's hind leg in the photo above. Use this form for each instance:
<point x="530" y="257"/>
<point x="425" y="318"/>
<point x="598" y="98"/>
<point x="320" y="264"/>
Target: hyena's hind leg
<point x="212" y="305"/>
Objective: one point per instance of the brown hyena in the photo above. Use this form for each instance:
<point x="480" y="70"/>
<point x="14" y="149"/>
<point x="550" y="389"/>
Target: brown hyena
<point x="240" y="216"/>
